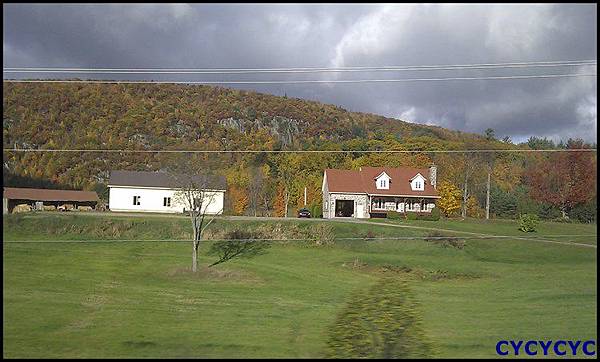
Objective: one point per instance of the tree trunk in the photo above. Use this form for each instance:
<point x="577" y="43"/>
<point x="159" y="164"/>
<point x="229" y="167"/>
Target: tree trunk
<point x="487" y="196"/>
<point x="287" y="200"/>
<point x="464" y="205"/>
<point x="194" y="257"/>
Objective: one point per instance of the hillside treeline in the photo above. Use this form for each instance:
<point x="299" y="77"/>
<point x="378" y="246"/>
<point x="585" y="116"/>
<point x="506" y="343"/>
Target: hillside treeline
<point x="168" y="117"/>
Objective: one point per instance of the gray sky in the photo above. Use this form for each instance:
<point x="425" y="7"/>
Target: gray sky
<point x="263" y="36"/>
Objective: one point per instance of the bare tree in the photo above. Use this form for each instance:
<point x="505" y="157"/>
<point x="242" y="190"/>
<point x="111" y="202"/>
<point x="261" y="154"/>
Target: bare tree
<point x="256" y="188"/>
<point x="196" y="181"/>
<point x="489" y="161"/>
<point x="470" y="165"/>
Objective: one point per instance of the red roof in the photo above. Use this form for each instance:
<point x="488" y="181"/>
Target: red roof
<point x="15" y="193"/>
<point x="363" y="181"/>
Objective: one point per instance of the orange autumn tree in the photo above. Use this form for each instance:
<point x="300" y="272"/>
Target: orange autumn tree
<point x="564" y="179"/>
<point x="279" y="203"/>
<point x="239" y="200"/>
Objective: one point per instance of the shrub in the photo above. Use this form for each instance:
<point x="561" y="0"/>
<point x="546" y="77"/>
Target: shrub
<point x="585" y="212"/>
<point x="528" y="222"/>
<point x="316" y="211"/>
<point x="393" y="215"/>
<point x="411" y="215"/>
<point x="434" y="215"/>
<point x="382" y="322"/>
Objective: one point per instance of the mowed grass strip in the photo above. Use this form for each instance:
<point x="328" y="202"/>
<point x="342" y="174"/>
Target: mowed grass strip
<point x="123" y="299"/>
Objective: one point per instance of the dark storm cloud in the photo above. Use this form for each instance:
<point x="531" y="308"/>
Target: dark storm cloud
<point x="221" y="36"/>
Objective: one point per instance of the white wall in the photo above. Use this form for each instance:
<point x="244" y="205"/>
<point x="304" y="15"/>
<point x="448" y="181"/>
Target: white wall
<point x="151" y="200"/>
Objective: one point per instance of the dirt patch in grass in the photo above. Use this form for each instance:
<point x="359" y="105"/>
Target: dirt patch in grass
<point x="214" y="274"/>
<point x="407" y="271"/>
<point x="139" y="344"/>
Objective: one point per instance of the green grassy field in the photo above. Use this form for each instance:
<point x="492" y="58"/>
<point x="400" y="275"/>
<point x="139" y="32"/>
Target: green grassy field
<point x="136" y="299"/>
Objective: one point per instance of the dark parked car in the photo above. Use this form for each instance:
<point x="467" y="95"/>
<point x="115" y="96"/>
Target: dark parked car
<point x="303" y="213"/>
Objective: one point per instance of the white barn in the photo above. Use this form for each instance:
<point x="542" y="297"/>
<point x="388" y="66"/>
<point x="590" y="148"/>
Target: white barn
<point x="156" y="192"/>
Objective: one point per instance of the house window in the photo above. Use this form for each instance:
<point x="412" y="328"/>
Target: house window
<point x="382" y="183"/>
<point x="167" y="201"/>
<point x="136" y="200"/>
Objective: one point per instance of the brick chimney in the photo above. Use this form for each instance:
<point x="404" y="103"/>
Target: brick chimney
<point x="433" y="175"/>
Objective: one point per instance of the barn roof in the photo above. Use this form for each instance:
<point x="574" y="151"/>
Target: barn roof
<point x="17" y="193"/>
<point x="363" y="181"/>
<point x="162" y="179"/>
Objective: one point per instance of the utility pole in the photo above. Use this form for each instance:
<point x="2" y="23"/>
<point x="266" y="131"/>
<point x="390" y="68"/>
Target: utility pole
<point x="304" y="196"/>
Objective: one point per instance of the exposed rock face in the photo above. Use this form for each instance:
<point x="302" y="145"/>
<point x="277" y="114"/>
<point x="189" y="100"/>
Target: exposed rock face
<point x="141" y="139"/>
<point x="285" y="129"/>
<point x="179" y="129"/>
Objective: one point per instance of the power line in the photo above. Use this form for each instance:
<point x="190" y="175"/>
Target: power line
<point x="295" y="151"/>
<point x="304" y="81"/>
<point x="283" y="70"/>
<point x="310" y="69"/>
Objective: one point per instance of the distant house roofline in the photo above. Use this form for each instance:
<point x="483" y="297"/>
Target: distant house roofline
<point x="33" y="194"/>
<point x="165" y="180"/>
<point x="361" y="181"/>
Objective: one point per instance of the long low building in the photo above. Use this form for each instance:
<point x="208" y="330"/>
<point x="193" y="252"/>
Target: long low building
<point x="41" y="199"/>
<point x="142" y="191"/>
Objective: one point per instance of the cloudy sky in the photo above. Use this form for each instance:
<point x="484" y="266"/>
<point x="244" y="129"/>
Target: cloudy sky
<point x="278" y="36"/>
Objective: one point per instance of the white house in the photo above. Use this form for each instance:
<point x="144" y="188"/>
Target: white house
<point x="158" y="192"/>
<point x="375" y="191"/>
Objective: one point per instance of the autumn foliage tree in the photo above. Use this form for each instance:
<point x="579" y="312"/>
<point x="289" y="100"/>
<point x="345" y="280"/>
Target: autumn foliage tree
<point x="279" y="204"/>
<point x="450" y="196"/>
<point x="564" y="179"/>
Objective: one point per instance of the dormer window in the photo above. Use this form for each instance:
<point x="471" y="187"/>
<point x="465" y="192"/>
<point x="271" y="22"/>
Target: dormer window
<point x="382" y="182"/>
<point x="417" y="183"/>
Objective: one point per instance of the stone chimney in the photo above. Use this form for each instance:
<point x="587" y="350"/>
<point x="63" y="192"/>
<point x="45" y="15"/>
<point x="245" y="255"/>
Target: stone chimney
<point x="433" y="175"/>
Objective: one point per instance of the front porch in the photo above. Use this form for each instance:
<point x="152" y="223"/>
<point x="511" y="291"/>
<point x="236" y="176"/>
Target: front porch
<point x="383" y="204"/>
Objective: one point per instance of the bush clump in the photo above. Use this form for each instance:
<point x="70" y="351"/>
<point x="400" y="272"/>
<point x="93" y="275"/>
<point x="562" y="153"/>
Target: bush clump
<point x="411" y="215"/>
<point x="381" y="322"/>
<point x="528" y="222"/>
<point x="393" y="215"/>
<point x="443" y="240"/>
<point x="434" y="215"/>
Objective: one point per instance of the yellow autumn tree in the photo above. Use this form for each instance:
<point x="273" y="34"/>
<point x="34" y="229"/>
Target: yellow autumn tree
<point x="473" y="208"/>
<point x="450" y="196"/>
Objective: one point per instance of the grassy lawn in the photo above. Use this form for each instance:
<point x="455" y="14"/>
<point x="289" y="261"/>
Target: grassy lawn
<point x="136" y="299"/>
<point x="574" y="232"/>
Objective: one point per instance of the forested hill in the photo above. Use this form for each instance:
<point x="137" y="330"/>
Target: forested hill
<point x="166" y="115"/>
<point x="193" y="117"/>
